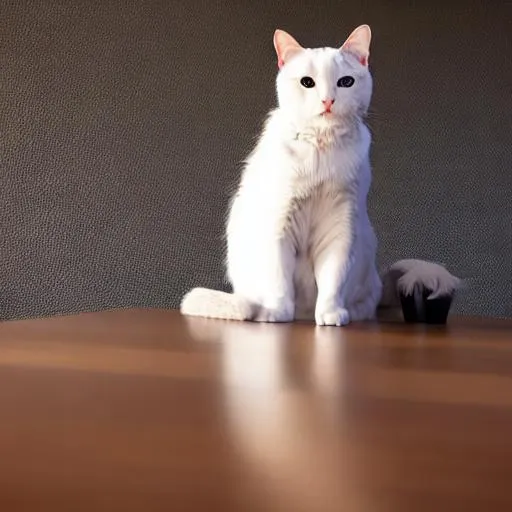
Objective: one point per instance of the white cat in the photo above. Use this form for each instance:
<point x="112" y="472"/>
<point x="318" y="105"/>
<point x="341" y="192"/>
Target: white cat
<point x="299" y="240"/>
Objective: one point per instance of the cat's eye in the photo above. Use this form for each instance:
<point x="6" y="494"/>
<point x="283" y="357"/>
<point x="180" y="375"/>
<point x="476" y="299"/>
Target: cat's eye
<point x="307" y="82"/>
<point x="346" y="81"/>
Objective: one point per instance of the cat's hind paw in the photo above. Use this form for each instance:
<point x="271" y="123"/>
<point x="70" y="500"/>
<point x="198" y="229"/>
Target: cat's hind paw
<point x="337" y="317"/>
<point x="273" y="316"/>
<point x="284" y="312"/>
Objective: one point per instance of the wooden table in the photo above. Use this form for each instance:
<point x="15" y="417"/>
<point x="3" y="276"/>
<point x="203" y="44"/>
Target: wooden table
<point x="149" y="411"/>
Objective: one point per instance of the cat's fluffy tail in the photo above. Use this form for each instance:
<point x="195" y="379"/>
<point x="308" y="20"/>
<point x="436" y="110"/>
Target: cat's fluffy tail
<point x="217" y="304"/>
<point x="408" y="276"/>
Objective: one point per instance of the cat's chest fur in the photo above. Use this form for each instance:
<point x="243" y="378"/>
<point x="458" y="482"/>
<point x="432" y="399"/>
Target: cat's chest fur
<point x="319" y="164"/>
<point x="308" y="212"/>
<point x="292" y="183"/>
<point x="327" y="170"/>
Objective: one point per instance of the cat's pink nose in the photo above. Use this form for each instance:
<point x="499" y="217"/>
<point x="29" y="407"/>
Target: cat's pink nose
<point x="328" y="104"/>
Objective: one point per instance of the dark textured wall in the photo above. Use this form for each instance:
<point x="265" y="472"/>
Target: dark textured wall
<point x="123" y="124"/>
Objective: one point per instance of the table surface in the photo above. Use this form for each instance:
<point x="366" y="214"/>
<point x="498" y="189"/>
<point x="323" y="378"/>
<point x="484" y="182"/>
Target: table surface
<point x="139" y="410"/>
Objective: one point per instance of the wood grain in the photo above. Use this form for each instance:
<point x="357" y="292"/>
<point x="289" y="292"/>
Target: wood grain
<point x="149" y="411"/>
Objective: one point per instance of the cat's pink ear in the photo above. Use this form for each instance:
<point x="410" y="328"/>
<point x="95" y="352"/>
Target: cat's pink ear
<point x="358" y="43"/>
<point x="286" y="47"/>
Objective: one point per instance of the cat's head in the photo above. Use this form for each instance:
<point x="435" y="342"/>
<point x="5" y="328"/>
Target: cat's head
<point x="324" y="84"/>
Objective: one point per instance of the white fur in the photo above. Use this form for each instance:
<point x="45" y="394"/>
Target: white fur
<point x="299" y="240"/>
<point x="431" y="276"/>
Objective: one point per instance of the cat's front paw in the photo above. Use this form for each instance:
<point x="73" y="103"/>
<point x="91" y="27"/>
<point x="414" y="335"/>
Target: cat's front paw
<point x="335" y="316"/>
